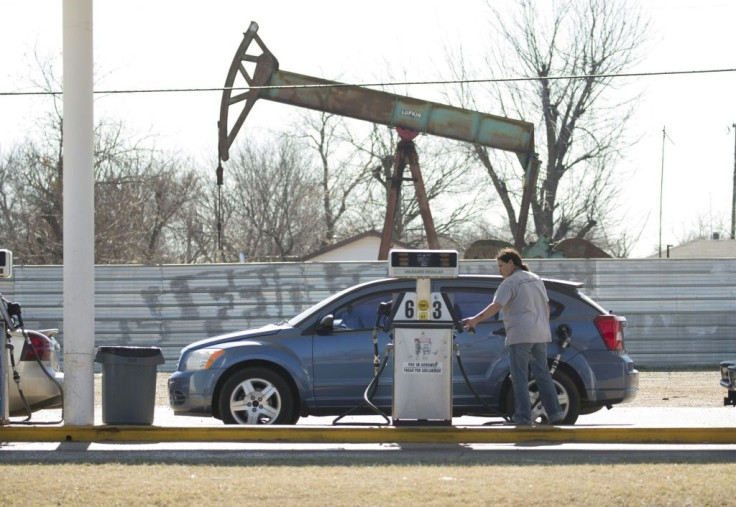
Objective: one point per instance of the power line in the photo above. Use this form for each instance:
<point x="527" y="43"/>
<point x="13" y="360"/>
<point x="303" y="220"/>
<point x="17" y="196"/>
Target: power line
<point x="401" y="83"/>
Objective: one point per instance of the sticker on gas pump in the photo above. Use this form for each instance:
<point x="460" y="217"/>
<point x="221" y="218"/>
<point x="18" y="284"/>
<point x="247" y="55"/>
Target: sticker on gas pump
<point x="433" y="310"/>
<point x="422" y="367"/>
<point x="422" y="346"/>
<point x="422" y="352"/>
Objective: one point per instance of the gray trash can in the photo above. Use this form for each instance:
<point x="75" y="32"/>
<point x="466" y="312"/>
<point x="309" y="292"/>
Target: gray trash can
<point x="128" y="383"/>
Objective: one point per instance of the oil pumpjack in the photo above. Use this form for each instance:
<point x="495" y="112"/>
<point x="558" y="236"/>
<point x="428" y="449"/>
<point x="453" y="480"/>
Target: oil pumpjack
<point x="256" y="70"/>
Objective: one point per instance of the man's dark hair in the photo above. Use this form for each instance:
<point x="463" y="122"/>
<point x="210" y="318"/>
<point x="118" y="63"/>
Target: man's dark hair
<point x="510" y="254"/>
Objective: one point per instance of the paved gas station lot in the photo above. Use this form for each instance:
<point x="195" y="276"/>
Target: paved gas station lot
<point x="621" y="416"/>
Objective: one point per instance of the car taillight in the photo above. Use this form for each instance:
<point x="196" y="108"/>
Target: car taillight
<point x="41" y="346"/>
<point x="611" y="331"/>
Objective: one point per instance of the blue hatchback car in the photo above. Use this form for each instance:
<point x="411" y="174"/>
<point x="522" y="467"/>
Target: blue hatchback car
<point x="321" y="361"/>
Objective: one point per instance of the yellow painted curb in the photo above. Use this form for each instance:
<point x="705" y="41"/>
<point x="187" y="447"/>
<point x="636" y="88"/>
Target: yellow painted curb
<point x="400" y="435"/>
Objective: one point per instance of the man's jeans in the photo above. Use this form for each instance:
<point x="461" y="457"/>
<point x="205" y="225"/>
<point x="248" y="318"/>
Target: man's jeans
<point x="521" y="356"/>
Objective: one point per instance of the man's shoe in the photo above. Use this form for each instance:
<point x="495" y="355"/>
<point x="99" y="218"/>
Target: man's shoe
<point x="554" y="421"/>
<point x="514" y="422"/>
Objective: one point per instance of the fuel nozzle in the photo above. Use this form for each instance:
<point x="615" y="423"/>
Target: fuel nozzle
<point x="384" y="308"/>
<point x="14" y="311"/>
<point x="563" y="332"/>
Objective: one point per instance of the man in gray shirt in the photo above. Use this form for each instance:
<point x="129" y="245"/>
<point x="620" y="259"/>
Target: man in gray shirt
<point x="523" y="299"/>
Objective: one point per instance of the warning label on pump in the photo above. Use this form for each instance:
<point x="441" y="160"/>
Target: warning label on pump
<point x="422" y="367"/>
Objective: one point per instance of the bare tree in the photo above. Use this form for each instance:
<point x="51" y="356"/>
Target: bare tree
<point x="32" y="192"/>
<point x="140" y="192"/>
<point x="573" y="50"/>
<point x="275" y="202"/>
<point x="139" y="196"/>
<point x="705" y="225"/>
<point x="193" y="233"/>
<point x="341" y="177"/>
<point x="13" y="226"/>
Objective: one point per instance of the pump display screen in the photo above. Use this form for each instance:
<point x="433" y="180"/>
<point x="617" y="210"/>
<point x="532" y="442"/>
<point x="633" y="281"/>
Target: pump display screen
<point x="423" y="264"/>
<point x="6" y="264"/>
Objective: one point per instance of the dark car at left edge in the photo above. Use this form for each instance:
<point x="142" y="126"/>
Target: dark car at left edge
<point x="728" y="381"/>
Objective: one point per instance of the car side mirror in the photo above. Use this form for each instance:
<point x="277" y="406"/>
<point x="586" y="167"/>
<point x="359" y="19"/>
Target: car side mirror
<point x="327" y="323"/>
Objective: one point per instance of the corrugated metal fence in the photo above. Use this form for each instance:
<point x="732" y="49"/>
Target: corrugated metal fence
<point x="680" y="312"/>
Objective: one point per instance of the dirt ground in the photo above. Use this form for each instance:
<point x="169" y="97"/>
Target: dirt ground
<point x="679" y="389"/>
<point x="656" y="389"/>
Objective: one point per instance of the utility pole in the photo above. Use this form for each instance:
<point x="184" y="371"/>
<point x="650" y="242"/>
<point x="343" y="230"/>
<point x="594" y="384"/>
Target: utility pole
<point x="733" y="197"/>
<point x="661" y="190"/>
<point x="218" y="210"/>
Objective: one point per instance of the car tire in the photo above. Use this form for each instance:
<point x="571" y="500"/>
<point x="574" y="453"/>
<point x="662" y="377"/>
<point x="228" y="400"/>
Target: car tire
<point x="257" y="396"/>
<point x="567" y="394"/>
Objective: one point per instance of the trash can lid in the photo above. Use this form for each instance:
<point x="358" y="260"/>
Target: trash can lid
<point x="107" y="352"/>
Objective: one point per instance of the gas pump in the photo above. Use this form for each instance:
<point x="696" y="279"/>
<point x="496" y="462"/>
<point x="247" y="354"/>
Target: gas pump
<point x="423" y="339"/>
<point x="6" y="271"/>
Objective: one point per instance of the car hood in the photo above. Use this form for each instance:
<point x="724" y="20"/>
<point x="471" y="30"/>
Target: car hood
<point x="266" y="330"/>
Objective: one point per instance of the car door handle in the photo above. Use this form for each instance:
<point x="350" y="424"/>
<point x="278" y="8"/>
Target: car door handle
<point x="500" y="332"/>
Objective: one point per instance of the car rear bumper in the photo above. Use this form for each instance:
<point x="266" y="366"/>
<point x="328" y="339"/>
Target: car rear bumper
<point x="38" y="390"/>
<point x="627" y="393"/>
<point x="612" y="382"/>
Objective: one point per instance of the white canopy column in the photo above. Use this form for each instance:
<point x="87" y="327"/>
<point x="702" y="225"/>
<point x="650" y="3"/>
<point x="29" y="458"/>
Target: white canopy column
<point x="79" y="212"/>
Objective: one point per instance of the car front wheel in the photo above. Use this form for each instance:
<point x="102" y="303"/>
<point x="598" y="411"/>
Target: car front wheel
<point x="257" y="396"/>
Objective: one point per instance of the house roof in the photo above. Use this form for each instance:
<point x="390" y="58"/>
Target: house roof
<point x="347" y="242"/>
<point x="702" y="249"/>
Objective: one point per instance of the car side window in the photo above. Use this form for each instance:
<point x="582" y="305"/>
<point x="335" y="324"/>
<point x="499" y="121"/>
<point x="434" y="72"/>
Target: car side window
<point x="359" y="313"/>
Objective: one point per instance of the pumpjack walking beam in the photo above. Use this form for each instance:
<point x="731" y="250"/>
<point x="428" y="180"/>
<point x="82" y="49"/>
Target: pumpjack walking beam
<point x="263" y="80"/>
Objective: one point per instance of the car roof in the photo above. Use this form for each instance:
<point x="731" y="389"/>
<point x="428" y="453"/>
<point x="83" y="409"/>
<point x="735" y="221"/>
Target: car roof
<point x="556" y="281"/>
<point x="495" y="278"/>
<point x="552" y="283"/>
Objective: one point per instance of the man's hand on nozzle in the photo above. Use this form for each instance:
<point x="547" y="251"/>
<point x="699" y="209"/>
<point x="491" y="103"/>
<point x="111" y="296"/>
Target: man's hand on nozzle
<point x="469" y="325"/>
